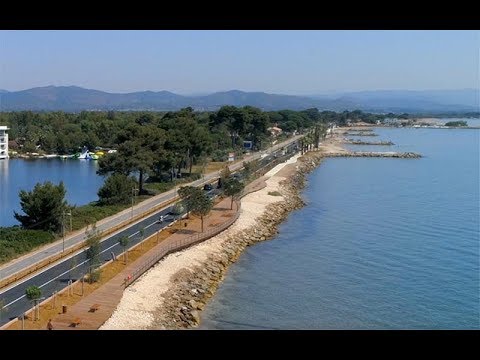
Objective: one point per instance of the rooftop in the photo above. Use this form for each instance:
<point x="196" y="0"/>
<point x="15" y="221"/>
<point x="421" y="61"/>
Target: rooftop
<point x="2" y="127"/>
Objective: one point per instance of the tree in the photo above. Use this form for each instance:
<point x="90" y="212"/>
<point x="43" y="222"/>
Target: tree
<point x="117" y="189"/>
<point x="34" y="293"/>
<point x="186" y="193"/>
<point x="201" y="204"/>
<point x="225" y="174"/>
<point x="43" y="206"/>
<point x="233" y="187"/>
<point x="93" y="253"/>
<point x="456" y="123"/>
<point x="319" y="133"/>
<point x="123" y="241"/>
<point x="139" y="150"/>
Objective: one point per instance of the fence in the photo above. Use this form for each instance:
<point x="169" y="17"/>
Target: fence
<point x="180" y="245"/>
<point x="194" y="239"/>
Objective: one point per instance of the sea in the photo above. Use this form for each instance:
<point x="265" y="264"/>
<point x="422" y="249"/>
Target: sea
<point x="382" y="243"/>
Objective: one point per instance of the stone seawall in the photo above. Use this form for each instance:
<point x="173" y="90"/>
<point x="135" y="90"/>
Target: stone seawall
<point x="193" y="287"/>
<point x="360" y="142"/>
<point x="403" y="155"/>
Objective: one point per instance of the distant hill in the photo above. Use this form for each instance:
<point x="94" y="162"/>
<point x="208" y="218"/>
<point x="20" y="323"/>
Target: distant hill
<point x="410" y="101"/>
<point x="74" y="98"/>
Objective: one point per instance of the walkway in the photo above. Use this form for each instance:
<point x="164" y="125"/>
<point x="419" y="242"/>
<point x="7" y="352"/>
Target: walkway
<point x="17" y="268"/>
<point x="109" y="295"/>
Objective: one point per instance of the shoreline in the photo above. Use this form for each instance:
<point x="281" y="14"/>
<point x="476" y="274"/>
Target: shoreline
<point x="172" y="294"/>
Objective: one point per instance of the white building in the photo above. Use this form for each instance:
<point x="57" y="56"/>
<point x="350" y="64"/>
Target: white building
<point x="3" y="142"/>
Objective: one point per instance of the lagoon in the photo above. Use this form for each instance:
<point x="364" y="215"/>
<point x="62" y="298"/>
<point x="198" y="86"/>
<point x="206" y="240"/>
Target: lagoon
<point x="79" y="177"/>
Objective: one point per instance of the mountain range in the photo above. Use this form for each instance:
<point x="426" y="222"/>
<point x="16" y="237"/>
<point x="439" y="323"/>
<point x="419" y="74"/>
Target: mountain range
<point x="74" y="99"/>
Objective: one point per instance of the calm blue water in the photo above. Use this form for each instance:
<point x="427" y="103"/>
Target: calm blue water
<point x="382" y="244"/>
<point x="79" y="177"/>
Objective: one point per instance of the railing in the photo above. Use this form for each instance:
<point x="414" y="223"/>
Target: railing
<point x="180" y="245"/>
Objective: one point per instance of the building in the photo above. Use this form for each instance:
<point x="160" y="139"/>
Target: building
<point x="3" y="142"/>
<point x="274" y="130"/>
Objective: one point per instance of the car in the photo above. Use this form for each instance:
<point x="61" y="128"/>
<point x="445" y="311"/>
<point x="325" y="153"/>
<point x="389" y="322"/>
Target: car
<point x="207" y="187"/>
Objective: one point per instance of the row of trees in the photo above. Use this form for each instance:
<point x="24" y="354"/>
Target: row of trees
<point x="64" y="133"/>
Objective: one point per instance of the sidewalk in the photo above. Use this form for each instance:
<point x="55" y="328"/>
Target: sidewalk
<point x="109" y="295"/>
<point x="31" y="262"/>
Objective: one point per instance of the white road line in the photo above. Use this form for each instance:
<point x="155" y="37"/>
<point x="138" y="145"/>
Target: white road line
<point x="66" y="272"/>
<point x="48" y="282"/>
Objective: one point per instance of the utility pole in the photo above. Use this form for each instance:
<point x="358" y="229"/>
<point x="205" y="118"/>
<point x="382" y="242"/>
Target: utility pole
<point x="63" y="231"/>
<point x="134" y="190"/>
<point x="63" y="226"/>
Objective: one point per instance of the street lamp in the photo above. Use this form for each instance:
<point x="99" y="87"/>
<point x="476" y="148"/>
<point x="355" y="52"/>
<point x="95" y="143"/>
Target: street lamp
<point x="63" y="226"/>
<point x="134" y="191"/>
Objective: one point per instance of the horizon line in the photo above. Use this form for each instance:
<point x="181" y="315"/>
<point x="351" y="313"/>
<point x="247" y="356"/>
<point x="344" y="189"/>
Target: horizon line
<point x="203" y="93"/>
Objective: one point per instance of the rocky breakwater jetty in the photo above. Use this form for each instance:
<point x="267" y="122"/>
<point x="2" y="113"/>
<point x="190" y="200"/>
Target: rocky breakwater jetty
<point x="403" y="155"/>
<point x="193" y="287"/>
<point x="360" y="142"/>
<point x="348" y="133"/>
<point x="360" y="130"/>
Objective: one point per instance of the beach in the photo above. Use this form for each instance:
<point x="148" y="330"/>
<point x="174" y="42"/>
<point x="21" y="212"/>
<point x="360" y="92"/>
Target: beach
<point x="145" y="303"/>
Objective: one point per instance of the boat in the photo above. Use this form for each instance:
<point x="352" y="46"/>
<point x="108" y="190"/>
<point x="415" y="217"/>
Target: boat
<point x="86" y="155"/>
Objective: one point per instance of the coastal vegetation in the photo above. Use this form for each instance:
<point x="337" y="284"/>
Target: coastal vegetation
<point x="43" y="207"/>
<point x="15" y="241"/>
<point x="232" y="187"/>
<point x="456" y="123"/>
<point x="155" y="151"/>
<point x="92" y="254"/>
<point x="195" y="201"/>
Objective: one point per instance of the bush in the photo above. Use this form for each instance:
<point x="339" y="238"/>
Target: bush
<point x="15" y="241"/>
<point x="220" y="155"/>
<point x="33" y="293"/>
<point x="94" y="276"/>
<point x="117" y="189"/>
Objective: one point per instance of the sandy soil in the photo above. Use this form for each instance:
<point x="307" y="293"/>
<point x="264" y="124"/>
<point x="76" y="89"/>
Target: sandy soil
<point x="142" y="299"/>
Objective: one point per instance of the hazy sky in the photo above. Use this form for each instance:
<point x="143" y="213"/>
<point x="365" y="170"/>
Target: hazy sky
<point x="288" y="62"/>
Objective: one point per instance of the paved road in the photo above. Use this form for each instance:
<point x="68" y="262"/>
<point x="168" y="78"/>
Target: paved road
<point x="56" y="277"/>
<point x="28" y="260"/>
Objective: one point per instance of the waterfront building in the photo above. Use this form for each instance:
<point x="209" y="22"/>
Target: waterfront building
<point x="3" y="142"/>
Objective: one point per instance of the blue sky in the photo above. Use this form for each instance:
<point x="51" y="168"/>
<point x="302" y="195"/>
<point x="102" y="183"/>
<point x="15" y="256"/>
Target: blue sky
<point x="287" y="62"/>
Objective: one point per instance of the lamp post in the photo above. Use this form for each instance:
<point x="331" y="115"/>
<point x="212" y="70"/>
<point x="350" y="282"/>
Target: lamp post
<point x="134" y="191"/>
<point x="63" y="227"/>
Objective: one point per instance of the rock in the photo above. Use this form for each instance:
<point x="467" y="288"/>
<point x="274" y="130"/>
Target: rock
<point x="192" y="303"/>
<point x="195" y="316"/>
<point x="200" y="305"/>
<point x="194" y="291"/>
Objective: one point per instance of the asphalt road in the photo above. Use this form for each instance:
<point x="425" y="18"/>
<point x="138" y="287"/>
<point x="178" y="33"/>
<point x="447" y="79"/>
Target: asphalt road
<point x="30" y="259"/>
<point x="57" y="277"/>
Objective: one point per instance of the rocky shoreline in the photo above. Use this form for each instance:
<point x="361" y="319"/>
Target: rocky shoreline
<point x="173" y="293"/>
<point x="193" y="287"/>
<point x="360" y="142"/>
<point x="359" y="134"/>
<point x="403" y="155"/>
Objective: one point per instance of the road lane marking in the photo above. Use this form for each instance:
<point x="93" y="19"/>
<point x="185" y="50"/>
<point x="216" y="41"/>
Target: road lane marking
<point x="66" y="272"/>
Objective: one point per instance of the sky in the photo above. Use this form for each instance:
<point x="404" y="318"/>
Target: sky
<point x="196" y="62"/>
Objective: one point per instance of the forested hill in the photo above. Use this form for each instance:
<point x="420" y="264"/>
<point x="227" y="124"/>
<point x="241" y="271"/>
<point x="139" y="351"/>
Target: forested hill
<point x="75" y="99"/>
